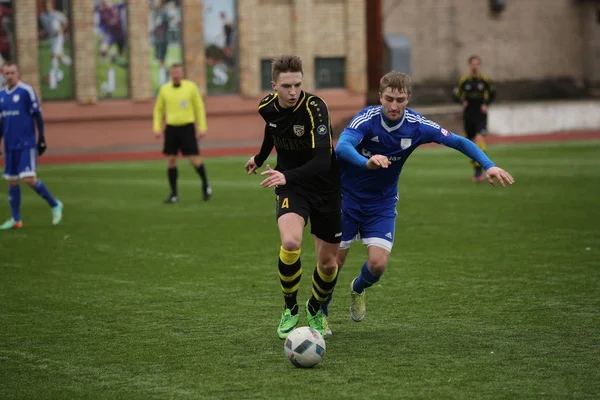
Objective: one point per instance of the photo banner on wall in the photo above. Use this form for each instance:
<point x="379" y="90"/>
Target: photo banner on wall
<point x="55" y="49"/>
<point x="7" y="34"/>
<point x="165" y="25"/>
<point x="220" y="38"/>
<point x="112" y="50"/>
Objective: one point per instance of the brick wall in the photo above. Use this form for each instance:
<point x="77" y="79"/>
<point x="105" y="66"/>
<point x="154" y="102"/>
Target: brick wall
<point x="531" y="39"/>
<point x="27" y="42"/>
<point x="84" y="50"/>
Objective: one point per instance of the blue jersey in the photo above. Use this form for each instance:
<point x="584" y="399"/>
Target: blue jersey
<point x="376" y="191"/>
<point x="17" y="108"/>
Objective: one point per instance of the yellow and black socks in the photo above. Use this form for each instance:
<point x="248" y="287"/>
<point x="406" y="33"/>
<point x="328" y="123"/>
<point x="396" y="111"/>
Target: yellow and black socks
<point x="322" y="286"/>
<point x="290" y="272"/>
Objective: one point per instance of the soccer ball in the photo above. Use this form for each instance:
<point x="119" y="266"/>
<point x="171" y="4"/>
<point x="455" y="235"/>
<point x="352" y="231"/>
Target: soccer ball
<point x="304" y="347"/>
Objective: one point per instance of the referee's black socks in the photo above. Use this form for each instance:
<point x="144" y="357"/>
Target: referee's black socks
<point x="202" y="172"/>
<point x="172" y="174"/>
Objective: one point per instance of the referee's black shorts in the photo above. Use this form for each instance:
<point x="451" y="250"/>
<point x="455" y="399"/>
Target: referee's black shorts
<point x="180" y="138"/>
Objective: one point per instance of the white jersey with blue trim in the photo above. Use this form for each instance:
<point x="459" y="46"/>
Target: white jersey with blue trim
<point x="378" y="189"/>
<point x="17" y="106"/>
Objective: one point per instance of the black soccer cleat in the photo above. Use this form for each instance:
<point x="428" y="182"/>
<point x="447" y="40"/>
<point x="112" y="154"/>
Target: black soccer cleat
<point x="207" y="193"/>
<point x="171" y="199"/>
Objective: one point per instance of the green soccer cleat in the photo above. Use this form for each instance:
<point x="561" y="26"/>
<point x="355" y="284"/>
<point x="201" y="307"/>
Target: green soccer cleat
<point x="316" y="321"/>
<point x="57" y="213"/>
<point x="287" y="324"/>
<point x="328" y="331"/>
<point x="11" y="224"/>
<point x="358" y="307"/>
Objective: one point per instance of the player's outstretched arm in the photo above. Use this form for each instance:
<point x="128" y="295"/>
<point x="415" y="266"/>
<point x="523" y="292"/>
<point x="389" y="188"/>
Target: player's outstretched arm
<point x="434" y="133"/>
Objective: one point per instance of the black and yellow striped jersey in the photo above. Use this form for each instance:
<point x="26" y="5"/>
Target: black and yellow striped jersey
<point x="302" y="137"/>
<point x="475" y="90"/>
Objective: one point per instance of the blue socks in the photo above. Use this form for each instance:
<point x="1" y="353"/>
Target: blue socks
<point x="14" y="196"/>
<point x="364" y="280"/>
<point x="43" y="191"/>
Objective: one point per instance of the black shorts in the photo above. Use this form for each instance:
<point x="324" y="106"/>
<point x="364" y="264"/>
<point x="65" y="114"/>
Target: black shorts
<point x="180" y="138"/>
<point x="475" y="124"/>
<point x="323" y="212"/>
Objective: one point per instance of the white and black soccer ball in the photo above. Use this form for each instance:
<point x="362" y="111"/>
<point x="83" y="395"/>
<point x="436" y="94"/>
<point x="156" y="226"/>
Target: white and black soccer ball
<point x="304" y="347"/>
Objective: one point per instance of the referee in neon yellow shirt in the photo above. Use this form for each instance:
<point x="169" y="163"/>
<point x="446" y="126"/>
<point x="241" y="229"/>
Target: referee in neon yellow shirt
<point x="181" y="105"/>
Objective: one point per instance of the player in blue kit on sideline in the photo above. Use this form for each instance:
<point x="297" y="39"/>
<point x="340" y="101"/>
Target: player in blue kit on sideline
<point x="371" y="153"/>
<point x="20" y="112"/>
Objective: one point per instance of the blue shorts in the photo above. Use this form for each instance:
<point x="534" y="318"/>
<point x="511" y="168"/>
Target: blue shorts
<point x="373" y="230"/>
<point x="20" y="163"/>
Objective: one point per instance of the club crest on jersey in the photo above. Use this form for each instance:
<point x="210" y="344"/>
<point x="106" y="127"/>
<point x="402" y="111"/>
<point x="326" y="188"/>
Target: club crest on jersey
<point x="322" y="130"/>
<point x="299" y="130"/>
<point x="405" y="143"/>
<point x="480" y="86"/>
<point x="16" y="98"/>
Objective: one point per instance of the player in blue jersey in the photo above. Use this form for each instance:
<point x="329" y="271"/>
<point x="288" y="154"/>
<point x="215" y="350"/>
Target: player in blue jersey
<point x="371" y="152"/>
<point x="20" y="111"/>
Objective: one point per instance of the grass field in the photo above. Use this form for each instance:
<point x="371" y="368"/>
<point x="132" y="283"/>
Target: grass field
<point x="490" y="293"/>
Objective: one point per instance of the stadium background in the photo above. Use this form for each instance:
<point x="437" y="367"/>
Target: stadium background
<point x="533" y="50"/>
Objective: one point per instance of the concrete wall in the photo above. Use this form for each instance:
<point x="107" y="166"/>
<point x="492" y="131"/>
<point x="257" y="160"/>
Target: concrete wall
<point x="531" y="39"/>
<point x="543" y="117"/>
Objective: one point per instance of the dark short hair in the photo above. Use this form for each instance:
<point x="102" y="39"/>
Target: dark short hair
<point x="474" y="57"/>
<point x="176" y="65"/>
<point x="285" y="63"/>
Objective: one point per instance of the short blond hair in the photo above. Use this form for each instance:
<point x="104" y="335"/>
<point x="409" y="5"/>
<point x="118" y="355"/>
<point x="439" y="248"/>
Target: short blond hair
<point x="396" y="81"/>
<point x="285" y="63"/>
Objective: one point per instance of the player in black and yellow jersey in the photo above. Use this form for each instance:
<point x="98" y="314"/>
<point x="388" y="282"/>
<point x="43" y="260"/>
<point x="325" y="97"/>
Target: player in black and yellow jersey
<point x="180" y="103"/>
<point x="307" y="184"/>
<point x="475" y="91"/>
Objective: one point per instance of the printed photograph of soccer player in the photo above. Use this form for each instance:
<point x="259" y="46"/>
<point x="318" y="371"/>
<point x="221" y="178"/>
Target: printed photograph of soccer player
<point x="164" y="21"/>
<point x="112" y="54"/>
<point x="307" y="187"/>
<point x="7" y="36"/>
<point x="219" y="40"/>
<point x="372" y="151"/>
<point x="55" y="49"/>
